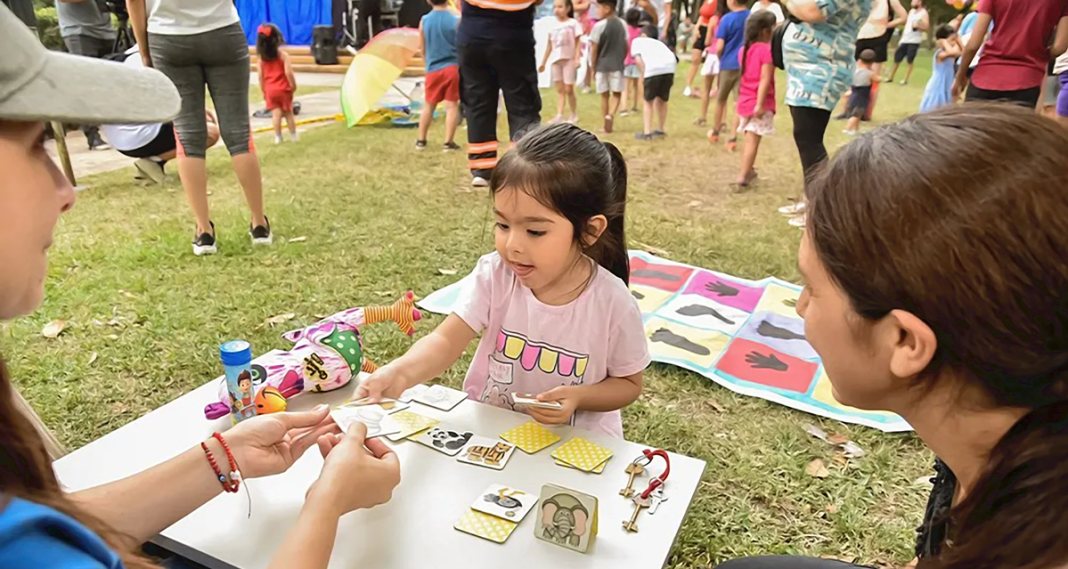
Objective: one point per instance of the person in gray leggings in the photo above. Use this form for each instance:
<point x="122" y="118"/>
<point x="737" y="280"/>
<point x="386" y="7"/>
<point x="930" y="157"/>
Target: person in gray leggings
<point x="197" y="43"/>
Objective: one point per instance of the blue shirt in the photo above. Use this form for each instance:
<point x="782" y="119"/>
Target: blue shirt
<point x="439" y="32"/>
<point x="32" y="535"/>
<point x="732" y="31"/>
<point x="819" y="57"/>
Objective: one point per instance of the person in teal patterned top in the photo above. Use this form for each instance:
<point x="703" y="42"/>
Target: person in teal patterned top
<point x="818" y="53"/>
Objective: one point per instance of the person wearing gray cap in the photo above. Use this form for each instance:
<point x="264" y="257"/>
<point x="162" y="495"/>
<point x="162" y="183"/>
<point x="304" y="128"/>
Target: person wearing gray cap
<point x="40" y="524"/>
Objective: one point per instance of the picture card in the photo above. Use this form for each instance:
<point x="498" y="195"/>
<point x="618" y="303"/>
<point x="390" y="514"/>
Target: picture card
<point x="582" y="454"/>
<point x="440" y="397"/>
<point x="483" y="451"/>
<point x="485" y="526"/>
<point x="531" y="400"/>
<point x="531" y="437"/>
<point x="412" y="391"/>
<point x="411" y="423"/>
<point x="505" y="502"/>
<point x="444" y="439"/>
<point x="378" y="421"/>
<point x="387" y="405"/>
<point x="566" y="517"/>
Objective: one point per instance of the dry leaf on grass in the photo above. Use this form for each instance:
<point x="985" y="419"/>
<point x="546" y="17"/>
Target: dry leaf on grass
<point x="127" y="294"/>
<point x="300" y="239"/>
<point x="831" y="509"/>
<point x="92" y="358"/>
<point x="852" y="449"/>
<point x="715" y="405"/>
<point x="817" y="469"/>
<point x="447" y="272"/>
<point x="817" y="432"/>
<point x="54" y="328"/>
<point x="837" y="439"/>
<point x="281" y="318"/>
<point x="694" y="203"/>
<point x="383" y="293"/>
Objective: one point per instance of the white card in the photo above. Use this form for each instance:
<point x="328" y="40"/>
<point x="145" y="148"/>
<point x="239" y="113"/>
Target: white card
<point x="378" y="421"/>
<point x="444" y="439"/>
<point x="505" y="503"/>
<point x="530" y="400"/>
<point x="483" y="451"/>
<point x="390" y="406"/>
<point x="411" y="392"/>
<point x="440" y="397"/>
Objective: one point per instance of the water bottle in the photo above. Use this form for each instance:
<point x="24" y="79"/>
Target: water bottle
<point x="236" y="356"/>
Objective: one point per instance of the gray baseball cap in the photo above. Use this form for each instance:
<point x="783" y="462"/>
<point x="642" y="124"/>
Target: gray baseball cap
<point x="41" y="85"/>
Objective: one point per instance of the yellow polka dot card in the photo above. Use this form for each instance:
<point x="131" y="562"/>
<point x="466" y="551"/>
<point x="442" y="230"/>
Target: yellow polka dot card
<point x="411" y="423"/>
<point x="530" y="437"/>
<point x="486" y="526"/>
<point x="582" y="454"/>
<point x="599" y="469"/>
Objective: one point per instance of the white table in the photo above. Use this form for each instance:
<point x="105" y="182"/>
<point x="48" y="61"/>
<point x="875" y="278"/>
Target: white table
<point x="416" y="528"/>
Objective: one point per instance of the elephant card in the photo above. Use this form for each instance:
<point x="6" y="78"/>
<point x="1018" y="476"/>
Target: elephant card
<point x="567" y="518"/>
<point x="505" y="502"/>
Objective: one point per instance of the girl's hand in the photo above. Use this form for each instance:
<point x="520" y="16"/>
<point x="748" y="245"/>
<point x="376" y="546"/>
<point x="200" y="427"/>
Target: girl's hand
<point x="358" y="473"/>
<point x="569" y="399"/>
<point x="542" y="68"/>
<point x="270" y="444"/>
<point x="758" y="111"/>
<point x="384" y="383"/>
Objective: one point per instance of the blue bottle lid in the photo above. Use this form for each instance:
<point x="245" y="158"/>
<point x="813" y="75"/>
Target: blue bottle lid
<point x="235" y="353"/>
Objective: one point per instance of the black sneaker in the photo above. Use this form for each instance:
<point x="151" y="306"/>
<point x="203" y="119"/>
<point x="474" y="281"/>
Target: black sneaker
<point x="420" y="145"/>
<point x="642" y="136"/>
<point x="204" y="244"/>
<point x="261" y="234"/>
<point x="658" y="134"/>
<point x="96" y="142"/>
<point x="450" y="146"/>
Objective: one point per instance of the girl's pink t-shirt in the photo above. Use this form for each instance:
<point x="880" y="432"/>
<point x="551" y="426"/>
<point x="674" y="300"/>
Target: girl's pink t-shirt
<point x="531" y="347"/>
<point x="759" y="55"/>
<point x="632" y="33"/>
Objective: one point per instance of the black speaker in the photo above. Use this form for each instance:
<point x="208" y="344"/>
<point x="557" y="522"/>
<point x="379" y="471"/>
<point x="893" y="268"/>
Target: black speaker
<point x="324" y="48"/>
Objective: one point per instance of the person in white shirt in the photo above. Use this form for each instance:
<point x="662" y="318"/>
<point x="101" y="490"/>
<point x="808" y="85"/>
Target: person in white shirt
<point x="657" y="64"/>
<point x="916" y="24"/>
<point x="152" y="144"/>
<point x="771" y="6"/>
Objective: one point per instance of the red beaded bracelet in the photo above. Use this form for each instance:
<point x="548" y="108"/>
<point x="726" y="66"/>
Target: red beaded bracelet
<point x="229" y="483"/>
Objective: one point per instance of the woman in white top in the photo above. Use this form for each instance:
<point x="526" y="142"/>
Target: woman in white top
<point x="873" y="34"/>
<point x="771" y="6"/>
<point x="198" y="43"/>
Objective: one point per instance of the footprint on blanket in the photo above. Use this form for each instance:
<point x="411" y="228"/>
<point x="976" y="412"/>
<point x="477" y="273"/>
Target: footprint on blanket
<point x="637" y="295"/>
<point x="665" y="336"/>
<point x="702" y="310"/>
<point x="770" y="330"/>
<point x="655" y="274"/>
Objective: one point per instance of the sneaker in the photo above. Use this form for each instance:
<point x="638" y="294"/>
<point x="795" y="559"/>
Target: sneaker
<point x="798" y="221"/>
<point x="96" y="142"/>
<point x="261" y="234"/>
<point x="150" y="169"/>
<point x="624" y="113"/>
<point x="903" y="82"/>
<point x="687" y="92"/>
<point x="204" y="244"/>
<point x="849" y="132"/>
<point x="278" y="139"/>
<point x="643" y="137"/>
<point x="793" y="209"/>
<point x="658" y="134"/>
<point x="448" y="146"/>
<point x="479" y="182"/>
<point x="420" y="145"/>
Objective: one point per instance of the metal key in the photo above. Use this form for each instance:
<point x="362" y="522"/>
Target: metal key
<point x="658" y="498"/>
<point x="634" y="470"/>
<point x="639" y="504"/>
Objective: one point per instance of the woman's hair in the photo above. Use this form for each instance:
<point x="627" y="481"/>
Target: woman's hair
<point x="268" y="39"/>
<point x="756" y="25"/>
<point x="572" y="173"/>
<point x="633" y="17"/>
<point x="28" y="474"/>
<point x="959" y="216"/>
<point x="945" y="32"/>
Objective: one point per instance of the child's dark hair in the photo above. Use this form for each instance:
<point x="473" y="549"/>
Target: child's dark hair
<point x="650" y="31"/>
<point x="754" y="26"/>
<point x="570" y="8"/>
<point x="570" y="171"/>
<point x="438" y="2"/>
<point x="945" y="32"/>
<point x="868" y="56"/>
<point x="268" y="38"/>
<point x="611" y="3"/>
<point x="633" y="17"/>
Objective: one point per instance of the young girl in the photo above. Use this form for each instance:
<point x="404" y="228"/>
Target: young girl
<point x="939" y="91"/>
<point x="633" y="91"/>
<point x="276" y="80"/>
<point x="562" y="54"/>
<point x="552" y="303"/>
<point x="756" y="95"/>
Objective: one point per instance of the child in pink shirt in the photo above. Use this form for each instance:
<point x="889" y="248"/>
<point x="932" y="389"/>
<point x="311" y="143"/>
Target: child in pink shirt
<point x="631" y="74"/>
<point x="552" y="304"/>
<point x="756" y="94"/>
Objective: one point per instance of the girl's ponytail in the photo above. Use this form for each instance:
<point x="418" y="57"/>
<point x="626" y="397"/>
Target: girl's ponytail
<point x="610" y="251"/>
<point x="1014" y="516"/>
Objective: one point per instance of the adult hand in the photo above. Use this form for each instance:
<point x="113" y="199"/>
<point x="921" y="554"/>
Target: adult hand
<point x="270" y="444"/>
<point x="386" y="382"/>
<point x="567" y="396"/>
<point x="541" y="69"/>
<point x="358" y="473"/>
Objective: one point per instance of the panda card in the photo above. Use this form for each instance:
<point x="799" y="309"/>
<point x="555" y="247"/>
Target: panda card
<point x="444" y="439"/>
<point x="505" y="502"/>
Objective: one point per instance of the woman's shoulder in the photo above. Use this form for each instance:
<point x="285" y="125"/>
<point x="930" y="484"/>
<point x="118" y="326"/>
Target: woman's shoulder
<point x="33" y="534"/>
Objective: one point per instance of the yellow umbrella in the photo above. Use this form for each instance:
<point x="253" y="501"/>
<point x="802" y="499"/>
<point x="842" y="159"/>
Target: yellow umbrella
<point x="374" y="69"/>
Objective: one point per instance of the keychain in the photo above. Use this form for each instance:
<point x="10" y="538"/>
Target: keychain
<point x="654" y="494"/>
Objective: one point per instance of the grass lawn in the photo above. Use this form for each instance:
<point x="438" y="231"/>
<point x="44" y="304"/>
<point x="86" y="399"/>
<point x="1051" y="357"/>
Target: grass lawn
<point x="145" y="317"/>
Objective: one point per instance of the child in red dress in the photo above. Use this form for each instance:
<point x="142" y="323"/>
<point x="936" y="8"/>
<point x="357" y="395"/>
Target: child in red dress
<point x="276" y="80"/>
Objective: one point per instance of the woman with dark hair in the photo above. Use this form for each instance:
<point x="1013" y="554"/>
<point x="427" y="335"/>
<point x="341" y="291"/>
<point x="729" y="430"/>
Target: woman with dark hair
<point x="40" y="524"/>
<point x="935" y="288"/>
